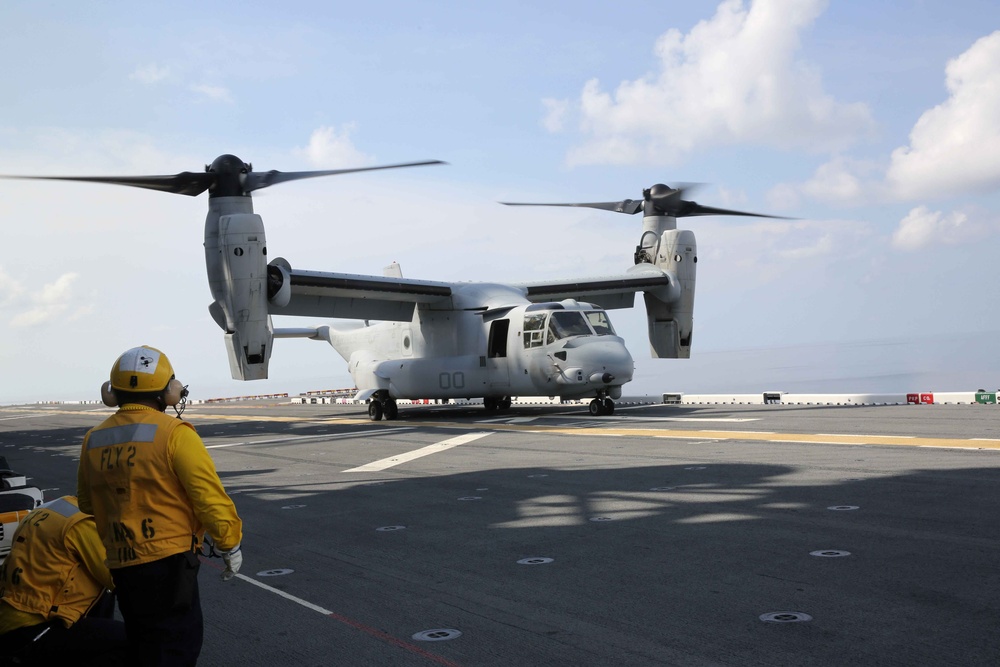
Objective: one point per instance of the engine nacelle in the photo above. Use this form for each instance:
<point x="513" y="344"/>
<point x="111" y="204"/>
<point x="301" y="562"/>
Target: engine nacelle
<point x="240" y="289"/>
<point x="279" y="282"/>
<point x="671" y="323"/>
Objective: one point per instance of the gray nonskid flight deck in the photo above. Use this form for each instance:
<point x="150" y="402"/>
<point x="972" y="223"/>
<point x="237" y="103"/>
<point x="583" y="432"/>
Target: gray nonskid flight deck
<point x="550" y="537"/>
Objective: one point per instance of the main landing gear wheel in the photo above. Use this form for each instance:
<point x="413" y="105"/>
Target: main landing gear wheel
<point x="375" y="410"/>
<point x="493" y="404"/>
<point x="390" y="409"/>
<point x="609" y="406"/>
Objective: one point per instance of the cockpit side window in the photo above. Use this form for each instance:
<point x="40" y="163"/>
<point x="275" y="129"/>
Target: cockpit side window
<point x="565" y="324"/>
<point x="599" y="320"/>
<point x="534" y="329"/>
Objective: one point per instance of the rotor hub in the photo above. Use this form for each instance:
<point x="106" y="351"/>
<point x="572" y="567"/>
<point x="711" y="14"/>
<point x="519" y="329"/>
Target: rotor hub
<point x="230" y="176"/>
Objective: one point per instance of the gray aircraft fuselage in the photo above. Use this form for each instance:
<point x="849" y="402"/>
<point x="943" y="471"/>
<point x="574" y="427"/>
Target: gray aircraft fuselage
<point x="566" y="349"/>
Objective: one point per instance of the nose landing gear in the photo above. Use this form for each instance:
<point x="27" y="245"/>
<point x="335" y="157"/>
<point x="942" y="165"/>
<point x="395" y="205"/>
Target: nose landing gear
<point x="602" y="405"/>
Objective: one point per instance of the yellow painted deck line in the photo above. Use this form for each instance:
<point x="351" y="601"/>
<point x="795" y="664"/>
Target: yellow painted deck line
<point x="795" y="438"/>
<point x="598" y="430"/>
<point x="828" y="439"/>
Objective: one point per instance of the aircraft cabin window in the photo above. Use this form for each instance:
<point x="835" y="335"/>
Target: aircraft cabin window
<point x="534" y="329"/>
<point x="602" y="325"/>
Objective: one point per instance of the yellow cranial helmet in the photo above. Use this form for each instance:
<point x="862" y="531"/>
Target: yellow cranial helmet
<point x="141" y="369"/>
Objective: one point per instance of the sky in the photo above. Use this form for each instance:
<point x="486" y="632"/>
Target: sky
<point x="873" y="124"/>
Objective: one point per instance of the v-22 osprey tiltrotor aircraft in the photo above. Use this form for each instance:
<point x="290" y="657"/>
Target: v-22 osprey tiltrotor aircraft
<point x="439" y="340"/>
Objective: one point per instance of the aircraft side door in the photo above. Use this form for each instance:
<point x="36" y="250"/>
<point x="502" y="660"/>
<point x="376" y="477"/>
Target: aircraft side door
<point x="497" y="363"/>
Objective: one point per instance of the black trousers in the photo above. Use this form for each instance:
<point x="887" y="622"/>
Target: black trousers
<point x="162" y="610"/>
<point x="95" y="639"/>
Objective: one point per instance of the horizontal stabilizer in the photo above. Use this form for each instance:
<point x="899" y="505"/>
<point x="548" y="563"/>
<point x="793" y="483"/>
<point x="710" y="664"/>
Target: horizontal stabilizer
<point x="299" y="332"/>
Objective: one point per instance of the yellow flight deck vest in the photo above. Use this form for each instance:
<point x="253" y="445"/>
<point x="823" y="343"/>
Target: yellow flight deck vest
<point x="142" y="511"/>
<point x="40" y="576"/>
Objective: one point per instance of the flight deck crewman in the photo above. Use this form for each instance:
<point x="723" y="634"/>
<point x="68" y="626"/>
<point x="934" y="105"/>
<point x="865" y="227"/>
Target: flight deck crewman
<point x="154" y="493"/>
<point x="54" y="599"/>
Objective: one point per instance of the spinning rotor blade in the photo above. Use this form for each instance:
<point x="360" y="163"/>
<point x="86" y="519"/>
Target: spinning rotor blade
<point x="256" y="180"/>
<point x="227" y="176"/>
<point x="660" y="200"/>
<point x="629" y="206"/>
<point x="185" y="183"/>
<point x="698" y="209"/>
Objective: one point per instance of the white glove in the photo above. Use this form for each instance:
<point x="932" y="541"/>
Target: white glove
<point x="233" y="560"/>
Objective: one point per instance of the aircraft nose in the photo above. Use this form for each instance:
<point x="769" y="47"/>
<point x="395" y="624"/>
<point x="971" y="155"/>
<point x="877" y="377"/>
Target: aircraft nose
<point x="606" y="360"/>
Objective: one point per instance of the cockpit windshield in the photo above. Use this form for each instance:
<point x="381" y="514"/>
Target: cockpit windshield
<point x="566" y="323"/>
<point x="543" y="328"/>
<point x="599" y="320"/>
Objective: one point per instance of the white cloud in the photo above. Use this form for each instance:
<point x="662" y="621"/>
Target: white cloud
<point x="556" y="112"/>
<point x="820" y="247"/>
<point x="332" y="149"/>
<point x="923" y="227"/>
<point x="748" y="251"/>
<point x="93" y="151"/>
<point x="727" y="197"/>
<point x="52" y="301"/>
<point x="783" y="197"/>
<point x="214" y="93"/>
<point x="955" y="147"/>
<point x="732" y="79"/>
<point x="845" y="180"/>
<point x="150" y="74"/>
<point x="10" y="289"/>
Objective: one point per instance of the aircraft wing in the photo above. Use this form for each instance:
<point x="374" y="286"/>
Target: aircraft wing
<point x="365" y="297"/>
<point x="608" y="292"/>
<point x="357" y="297"/>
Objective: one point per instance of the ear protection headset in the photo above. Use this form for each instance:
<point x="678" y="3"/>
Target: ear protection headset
<point x="173" y="394"/>
<point x="108" y="395"/>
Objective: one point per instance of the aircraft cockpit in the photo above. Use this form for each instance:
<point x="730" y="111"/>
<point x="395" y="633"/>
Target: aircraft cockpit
<point x="547" y="323"/>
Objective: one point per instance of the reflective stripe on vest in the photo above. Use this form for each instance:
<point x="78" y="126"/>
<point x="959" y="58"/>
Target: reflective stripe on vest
<point x="119" y="435"/>
<point x="63" y="507"/>
<point x="66" y="509"/>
